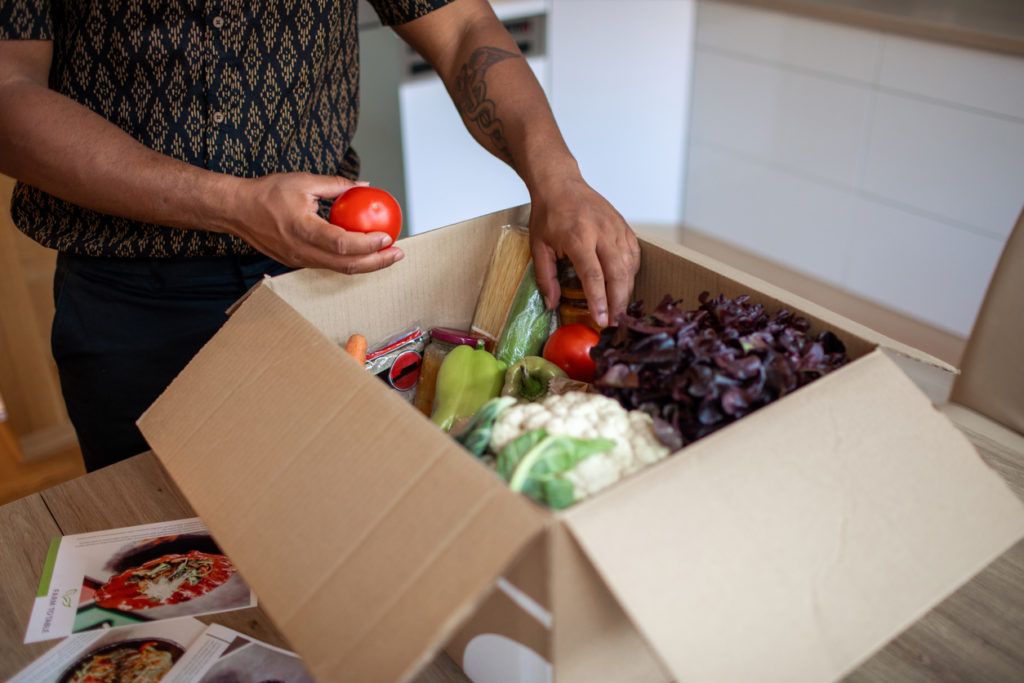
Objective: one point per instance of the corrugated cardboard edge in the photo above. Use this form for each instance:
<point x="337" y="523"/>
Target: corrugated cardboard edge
<point x="250" y="484"/>
<point x="992" y="382"/>
<point x="675" y="595"/>
<point x="266" y="281"/>
<point x="407" y="290"/>
<point x="831" y="319"/>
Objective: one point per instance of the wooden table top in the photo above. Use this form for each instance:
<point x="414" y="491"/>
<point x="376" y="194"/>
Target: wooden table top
<point x="977" y="634"/>
<point x="135" y="491"/>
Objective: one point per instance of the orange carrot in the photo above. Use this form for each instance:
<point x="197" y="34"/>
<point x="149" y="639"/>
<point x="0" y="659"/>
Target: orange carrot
<point x="356" y="347"/>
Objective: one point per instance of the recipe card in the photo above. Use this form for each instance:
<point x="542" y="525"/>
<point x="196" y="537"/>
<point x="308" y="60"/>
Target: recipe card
<point x="121" y="577"/>
<point x="146" y="652"/>
<point x="221" y="654"/>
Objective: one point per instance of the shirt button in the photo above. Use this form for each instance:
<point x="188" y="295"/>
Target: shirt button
<point x="218" y="22"/>
<point x="218" y="117"/>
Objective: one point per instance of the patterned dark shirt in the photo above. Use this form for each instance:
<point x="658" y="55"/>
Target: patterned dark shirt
<point x="241" y="87"/>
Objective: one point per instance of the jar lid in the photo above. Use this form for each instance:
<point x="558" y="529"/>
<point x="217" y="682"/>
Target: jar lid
<point x="453" y="336"/>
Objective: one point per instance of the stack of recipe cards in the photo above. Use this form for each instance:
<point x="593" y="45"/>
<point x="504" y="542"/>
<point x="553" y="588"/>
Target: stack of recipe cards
<point x="126" y="601"/>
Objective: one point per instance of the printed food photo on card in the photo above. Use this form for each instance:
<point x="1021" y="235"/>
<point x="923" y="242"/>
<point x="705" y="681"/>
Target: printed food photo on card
<point x="223" y="655"/>
<point x="144" y="653"/>
<point x="126" y="576"/>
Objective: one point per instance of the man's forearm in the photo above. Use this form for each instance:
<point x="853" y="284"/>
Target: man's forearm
<point x="507" y="112"/>
<point x="65" y="149"/>
<point x="495" y="91"/>
<point x="474" y="103"/>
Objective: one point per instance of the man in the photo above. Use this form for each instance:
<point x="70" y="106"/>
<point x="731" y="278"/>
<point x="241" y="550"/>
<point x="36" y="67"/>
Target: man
<point x="172" y="154"/>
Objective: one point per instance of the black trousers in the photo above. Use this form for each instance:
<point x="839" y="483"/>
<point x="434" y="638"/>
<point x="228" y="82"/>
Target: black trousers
<point x="124" y="328"/>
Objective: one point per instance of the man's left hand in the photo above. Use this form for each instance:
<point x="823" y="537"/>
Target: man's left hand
<point x="570" y="219"/>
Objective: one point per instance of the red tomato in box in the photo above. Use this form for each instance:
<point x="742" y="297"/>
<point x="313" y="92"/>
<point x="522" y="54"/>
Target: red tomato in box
<point x="367" y="209"/>
<point x="569" y="346"/>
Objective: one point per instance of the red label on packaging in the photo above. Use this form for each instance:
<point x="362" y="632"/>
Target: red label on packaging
<point x="405" y="371"/>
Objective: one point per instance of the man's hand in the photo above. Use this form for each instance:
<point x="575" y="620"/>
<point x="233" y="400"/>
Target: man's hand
<point x="277" y="214"/>
<point x="570" y="219"/>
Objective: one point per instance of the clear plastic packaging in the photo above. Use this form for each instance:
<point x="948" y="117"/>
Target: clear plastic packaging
<point x="398" y="361"/>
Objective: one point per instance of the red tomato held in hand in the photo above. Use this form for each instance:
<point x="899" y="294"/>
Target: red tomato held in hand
<point x="569" y="346"/>
<point x="367" y="209"/>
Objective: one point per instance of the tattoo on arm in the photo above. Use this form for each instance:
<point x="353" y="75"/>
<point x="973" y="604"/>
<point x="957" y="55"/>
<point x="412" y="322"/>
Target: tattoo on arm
<point x="471" y="96"/>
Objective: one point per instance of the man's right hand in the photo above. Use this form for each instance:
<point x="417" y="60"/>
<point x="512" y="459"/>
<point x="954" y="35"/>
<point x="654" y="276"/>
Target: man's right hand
<point x="278" y="215"/>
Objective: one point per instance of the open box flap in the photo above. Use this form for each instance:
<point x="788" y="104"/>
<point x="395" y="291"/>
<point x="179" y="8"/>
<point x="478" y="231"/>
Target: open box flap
<point x="661" y="268"/>
<point x="803" y="538"/>
<point x="992" y="382"/>
<point x="436" y="285"/>
<point x="324" y="512"/>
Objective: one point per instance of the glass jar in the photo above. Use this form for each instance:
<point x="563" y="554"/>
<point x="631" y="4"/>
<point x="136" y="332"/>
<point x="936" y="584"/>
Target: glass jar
<point x="572" y="307"/>
<point x="442" y="340"/>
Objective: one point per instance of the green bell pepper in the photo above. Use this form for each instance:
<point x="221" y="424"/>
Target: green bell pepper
<point x="467" y="379"/>
<point x="528" y="379"/>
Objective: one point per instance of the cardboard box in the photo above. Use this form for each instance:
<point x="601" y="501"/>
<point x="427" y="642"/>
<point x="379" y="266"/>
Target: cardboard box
<point x="787" y="546"/>
<point x="992" y="383"/>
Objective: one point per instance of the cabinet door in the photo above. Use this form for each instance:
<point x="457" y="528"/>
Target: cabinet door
<point x="620" y="82"/>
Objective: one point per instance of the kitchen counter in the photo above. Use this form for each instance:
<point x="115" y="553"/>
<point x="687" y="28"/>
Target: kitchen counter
<point x="994" y="25"/>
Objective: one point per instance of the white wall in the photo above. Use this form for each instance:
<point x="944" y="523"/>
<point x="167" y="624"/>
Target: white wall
<point x="888" y="166"/>
<point x="620" y="92"/>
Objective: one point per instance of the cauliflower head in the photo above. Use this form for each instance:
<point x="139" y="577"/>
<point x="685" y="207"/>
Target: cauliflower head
<point x="586" y="416"/>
